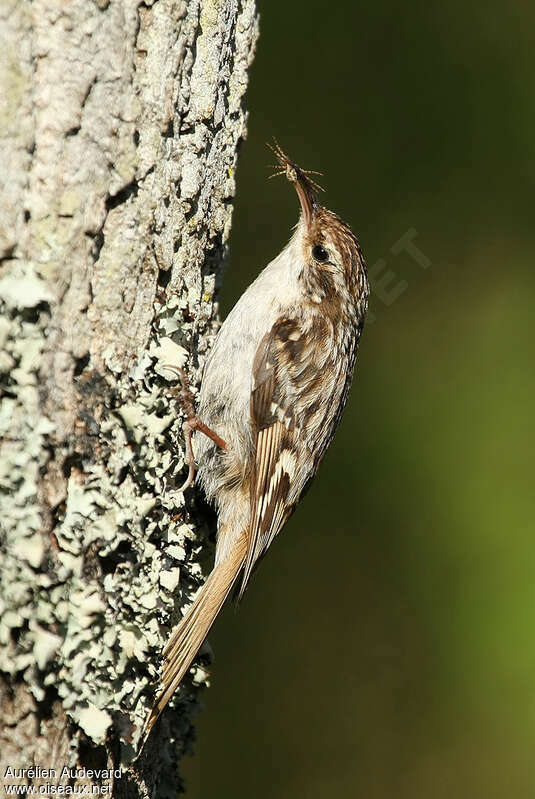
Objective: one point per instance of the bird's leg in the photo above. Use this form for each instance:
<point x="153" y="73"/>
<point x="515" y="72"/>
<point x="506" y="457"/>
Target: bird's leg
<point x="192" y="423"/>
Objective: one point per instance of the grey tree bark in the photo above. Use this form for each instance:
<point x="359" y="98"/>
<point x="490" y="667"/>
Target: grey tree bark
<point x="120" y="125"/>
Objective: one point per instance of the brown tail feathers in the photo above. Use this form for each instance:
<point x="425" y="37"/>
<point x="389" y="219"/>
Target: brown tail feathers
<point x="187" y="638"/>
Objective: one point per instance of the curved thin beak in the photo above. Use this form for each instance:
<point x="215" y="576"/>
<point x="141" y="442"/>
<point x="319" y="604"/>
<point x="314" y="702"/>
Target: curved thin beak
<point x="306" y="189"/>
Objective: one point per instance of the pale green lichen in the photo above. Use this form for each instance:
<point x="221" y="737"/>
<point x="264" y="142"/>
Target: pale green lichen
<point x="23" y="432"/>
<point x="94" y="722"/>
<point x="22" y="288"/>
<point x="83" y="632"/>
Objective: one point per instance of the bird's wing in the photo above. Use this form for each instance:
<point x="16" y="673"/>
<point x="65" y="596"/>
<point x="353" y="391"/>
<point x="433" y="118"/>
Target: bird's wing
<point x="276" y="475"/>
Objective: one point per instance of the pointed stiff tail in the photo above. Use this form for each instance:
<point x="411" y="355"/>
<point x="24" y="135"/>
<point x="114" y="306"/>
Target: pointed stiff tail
<point x="187" y="638"/>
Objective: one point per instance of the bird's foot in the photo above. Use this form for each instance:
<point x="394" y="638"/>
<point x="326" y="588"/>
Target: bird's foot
<point x="192" y="423"/>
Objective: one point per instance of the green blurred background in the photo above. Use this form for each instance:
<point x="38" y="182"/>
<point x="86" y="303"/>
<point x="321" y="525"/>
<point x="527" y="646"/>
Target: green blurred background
<point x="386" y="645"/>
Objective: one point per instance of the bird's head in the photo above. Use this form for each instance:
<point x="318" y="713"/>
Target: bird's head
<point x="331" y="252"/>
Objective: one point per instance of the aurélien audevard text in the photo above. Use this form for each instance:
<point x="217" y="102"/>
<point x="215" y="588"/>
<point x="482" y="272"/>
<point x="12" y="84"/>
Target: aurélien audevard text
<point x="38" y="772"/>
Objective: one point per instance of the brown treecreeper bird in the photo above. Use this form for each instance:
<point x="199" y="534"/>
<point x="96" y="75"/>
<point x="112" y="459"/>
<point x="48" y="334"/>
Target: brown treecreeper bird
<point x="272" y="394"/>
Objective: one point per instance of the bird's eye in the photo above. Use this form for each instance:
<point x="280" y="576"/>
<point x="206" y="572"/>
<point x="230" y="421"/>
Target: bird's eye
<point x="320" y="254"/>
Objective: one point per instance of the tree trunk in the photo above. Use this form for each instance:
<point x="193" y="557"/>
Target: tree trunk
<point x="121" y="121"/>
